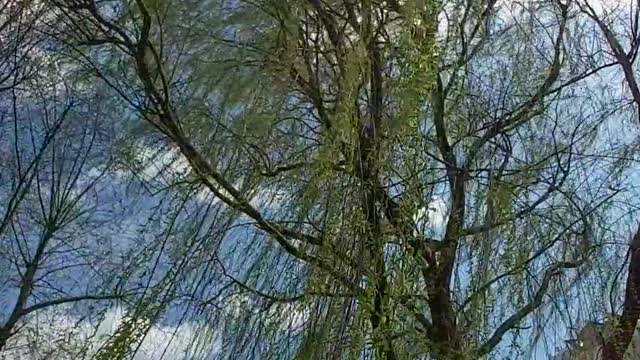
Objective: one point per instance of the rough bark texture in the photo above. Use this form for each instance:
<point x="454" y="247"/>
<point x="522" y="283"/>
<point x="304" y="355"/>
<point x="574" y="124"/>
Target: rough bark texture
<point x="620" y="338"/>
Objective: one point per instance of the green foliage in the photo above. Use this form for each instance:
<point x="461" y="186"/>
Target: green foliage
<point x="128" y="334"/>
<point x="273" y="105"/>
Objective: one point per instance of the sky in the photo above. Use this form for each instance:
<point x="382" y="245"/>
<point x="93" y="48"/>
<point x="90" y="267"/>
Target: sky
<point x="114" y="197"/>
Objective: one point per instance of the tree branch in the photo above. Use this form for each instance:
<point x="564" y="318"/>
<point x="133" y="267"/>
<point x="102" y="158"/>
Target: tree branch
<point x="524" y="311"/>
<point x="45" y="304"/>
<point x="527" y="110"/>
<point x="619" y="53"/>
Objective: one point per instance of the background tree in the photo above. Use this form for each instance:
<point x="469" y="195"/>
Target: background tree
<point x="59" y="211"/>
<point x="39" y="176"/>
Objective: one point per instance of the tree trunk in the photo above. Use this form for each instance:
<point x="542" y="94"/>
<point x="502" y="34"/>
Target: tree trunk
<point x="620" y="338"/>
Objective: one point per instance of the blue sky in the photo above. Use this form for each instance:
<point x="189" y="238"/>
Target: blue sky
<point x="130" y="224"/>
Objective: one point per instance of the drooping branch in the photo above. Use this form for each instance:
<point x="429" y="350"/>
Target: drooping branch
<point x="551" y="272"/>
<point x="624" y="58"/>
<point x="521" y="213"/>
<point x="164" y="118"/>
<point x="534" y="105"/>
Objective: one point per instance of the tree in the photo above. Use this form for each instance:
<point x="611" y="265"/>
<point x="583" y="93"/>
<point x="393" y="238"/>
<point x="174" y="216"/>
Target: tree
<point x="400" y="179"/>
<point x="52" y="171"/>
<point x="616" y="34"/>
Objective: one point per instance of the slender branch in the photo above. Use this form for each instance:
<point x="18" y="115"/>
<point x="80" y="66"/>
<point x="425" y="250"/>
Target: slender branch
<point x="530" y="108"/>
<point x="513" y="321"/>
<point x="518" y="268"/>
<point x="163" y="117"/>
<point x="46" y="304"/>
<point x="618" y="52"/>
<point x="527" y="210"/>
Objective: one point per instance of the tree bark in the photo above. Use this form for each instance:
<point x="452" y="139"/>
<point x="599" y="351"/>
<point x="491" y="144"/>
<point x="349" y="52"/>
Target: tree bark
<point x="620" y="338"/>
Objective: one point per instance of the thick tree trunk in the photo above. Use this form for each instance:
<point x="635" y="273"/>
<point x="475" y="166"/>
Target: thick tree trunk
<point x="446" y="338"/>
<point x="620" y="338"/>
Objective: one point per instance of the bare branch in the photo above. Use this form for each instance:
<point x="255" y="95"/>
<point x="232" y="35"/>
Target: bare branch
<point x="513" y="321"/>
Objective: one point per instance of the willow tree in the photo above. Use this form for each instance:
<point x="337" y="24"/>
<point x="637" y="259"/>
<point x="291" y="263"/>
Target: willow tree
<point x="617" y="29"/>
<point x="400" y="179"/>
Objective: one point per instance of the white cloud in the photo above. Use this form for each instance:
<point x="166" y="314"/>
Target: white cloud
<point x="269" y="198"/>
<point x="167" y="163"/>
<point x="432" y="218"/>
<point x="61" y="336"/>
